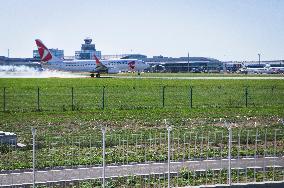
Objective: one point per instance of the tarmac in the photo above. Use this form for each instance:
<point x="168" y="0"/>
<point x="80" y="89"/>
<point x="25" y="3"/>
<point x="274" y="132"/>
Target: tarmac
<point x="76" y="174"/>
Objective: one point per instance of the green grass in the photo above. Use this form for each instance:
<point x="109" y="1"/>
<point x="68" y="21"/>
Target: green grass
<point x="135" y="75"/>
<point x="88" y="82"/>
<point x="131" y="106"/>
<point x="90" y="94"/>
<point x="135" y="103"/>
<point x="140" y="145"/>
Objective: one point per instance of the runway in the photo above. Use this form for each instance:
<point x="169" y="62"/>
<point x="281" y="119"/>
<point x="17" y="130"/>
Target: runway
<point x="204" y="77"/>
<point x="59" y="175"/>
<point x="29" y="72"/>
<point x="56" y="74"/>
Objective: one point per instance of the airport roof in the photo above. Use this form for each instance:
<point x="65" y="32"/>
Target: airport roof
<point x="181" y="59"/>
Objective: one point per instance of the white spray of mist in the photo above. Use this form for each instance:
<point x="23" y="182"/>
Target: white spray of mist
<point x="9" y="71"/>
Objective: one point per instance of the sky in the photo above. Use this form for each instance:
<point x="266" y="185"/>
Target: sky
<point x="223" y="29"/>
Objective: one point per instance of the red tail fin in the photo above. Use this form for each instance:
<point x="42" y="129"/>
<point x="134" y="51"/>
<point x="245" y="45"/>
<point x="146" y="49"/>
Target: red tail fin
<point x="97" y="60"/>
<point x="43" y="51"/>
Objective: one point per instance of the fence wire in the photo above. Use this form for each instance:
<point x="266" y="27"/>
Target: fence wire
<point x="197" y="157"/>
<point x="125" y="97"/>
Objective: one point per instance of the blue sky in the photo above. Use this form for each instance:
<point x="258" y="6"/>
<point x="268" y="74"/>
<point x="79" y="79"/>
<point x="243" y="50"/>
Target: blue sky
<point x="222" y="29"/>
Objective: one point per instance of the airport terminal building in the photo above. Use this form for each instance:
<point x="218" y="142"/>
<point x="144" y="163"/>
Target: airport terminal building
<point x="184" y="64"/>
<point x="157" y="63"/>
<point x="181" y="64"/>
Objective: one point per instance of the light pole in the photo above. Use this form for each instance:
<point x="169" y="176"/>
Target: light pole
<point x="258" y="58"/>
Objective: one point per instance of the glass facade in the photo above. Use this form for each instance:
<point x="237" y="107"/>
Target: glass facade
<point x="192" y="66"/>
<point x="87" y="54"/>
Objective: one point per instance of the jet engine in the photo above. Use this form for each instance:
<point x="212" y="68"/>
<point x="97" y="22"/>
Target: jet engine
<point x="113" y="71"/>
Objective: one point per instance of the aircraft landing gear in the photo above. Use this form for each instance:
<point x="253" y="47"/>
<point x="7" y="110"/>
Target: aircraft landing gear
<point x="98" y="75"/>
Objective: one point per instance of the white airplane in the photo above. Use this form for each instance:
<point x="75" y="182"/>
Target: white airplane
<point x="256" y="69"/>
<point x="96" y="66"/>
<point x="277" y="69"/>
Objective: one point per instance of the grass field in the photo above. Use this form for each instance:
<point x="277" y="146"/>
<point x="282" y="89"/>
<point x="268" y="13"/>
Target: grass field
<point x="130" y="107"/>
<point x="137" y="102"/>
<point x="143" y="145"/>
<point x="89" y="94"/>
<point x="164" y="74"/>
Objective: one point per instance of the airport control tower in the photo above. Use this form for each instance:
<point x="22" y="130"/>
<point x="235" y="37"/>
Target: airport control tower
<point x="87" y="50"/>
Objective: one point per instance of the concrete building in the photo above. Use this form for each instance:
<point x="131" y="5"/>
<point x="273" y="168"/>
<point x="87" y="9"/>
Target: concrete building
<point x="184" y="64"/>
<point x="88" y="50"/>
<point x="125" y="56"/>
<point x="56" y="52"/>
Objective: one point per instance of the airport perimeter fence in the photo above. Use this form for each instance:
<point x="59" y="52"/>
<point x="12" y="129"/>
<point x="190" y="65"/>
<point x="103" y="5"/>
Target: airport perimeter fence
<point x="161" y="157"/>
<point x="125" y="97"/>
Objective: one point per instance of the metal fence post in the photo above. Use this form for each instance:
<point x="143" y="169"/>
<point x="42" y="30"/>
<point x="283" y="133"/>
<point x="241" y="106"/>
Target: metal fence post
<point x="4" y="99"/>
<point x="190" y="96"/>
<point x="104" y="135"/>
<point x="34" y="134"/>
<point x="246" y="96"/>
<point x="169" y="153"/>
<point x="163" y="96"/>
<point x="103" y="98"/>
<point x="229" y="153"/>
<point x="255" y="154"/>
<point x="72" y="98"/>
<point x="38" y="107"/>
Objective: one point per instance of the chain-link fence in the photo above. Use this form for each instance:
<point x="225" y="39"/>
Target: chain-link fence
<point x="125" y="97"/>
<point x="143" y="158"/>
